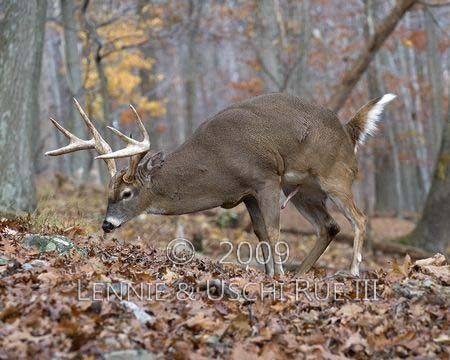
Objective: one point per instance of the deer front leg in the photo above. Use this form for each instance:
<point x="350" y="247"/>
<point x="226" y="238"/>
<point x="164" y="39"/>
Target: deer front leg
<point x="268" y="201"/>
<point x="259" y="228"/>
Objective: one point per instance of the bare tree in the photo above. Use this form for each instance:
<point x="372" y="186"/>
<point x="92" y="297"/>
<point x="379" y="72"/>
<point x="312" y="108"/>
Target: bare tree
<point x="98" y="46"/>
<point x="300" y="73"/>
<point x="434" y="73"/>
<point x="357" y="69"/>
<point x="21" y="33"/>
<point x="267" y="50"/>
<point x="79" y="161"/>
<point x="433" y="230"/>
<point x="195" y="12"/>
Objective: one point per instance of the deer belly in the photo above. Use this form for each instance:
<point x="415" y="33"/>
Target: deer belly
<point x="294" y="177"/>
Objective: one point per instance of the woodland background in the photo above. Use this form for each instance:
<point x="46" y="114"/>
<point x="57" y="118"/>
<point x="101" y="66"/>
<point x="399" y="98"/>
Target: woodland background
<point x="179" y="62"/>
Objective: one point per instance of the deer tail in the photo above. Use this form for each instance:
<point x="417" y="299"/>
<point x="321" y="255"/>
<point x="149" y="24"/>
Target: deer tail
<point x="365" y="122"/>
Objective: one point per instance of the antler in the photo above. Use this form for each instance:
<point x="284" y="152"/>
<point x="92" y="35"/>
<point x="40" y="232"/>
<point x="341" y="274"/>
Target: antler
<point x="135" y="149"/>
<point x="75" y="143"/>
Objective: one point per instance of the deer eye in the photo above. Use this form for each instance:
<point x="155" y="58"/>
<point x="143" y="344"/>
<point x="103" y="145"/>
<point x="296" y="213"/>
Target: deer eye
<point x="126" y="194"/>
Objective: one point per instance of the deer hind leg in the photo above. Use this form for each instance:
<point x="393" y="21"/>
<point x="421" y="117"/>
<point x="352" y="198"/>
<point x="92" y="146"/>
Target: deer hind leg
<point x="312" y="205"/>
<point x="355" y="216"/>
<point x="341" y="194"/>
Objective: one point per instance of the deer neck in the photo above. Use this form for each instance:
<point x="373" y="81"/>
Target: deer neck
<point x="178" y="187"/>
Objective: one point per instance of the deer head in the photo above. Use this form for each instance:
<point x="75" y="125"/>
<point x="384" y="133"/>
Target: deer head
<point x="126" y="186"/>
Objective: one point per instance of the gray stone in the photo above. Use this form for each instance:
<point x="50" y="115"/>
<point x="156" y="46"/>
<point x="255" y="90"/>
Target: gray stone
<point x="36" y="263"/>
<point x="132" y="354"/>
<point x="49" y="243"/>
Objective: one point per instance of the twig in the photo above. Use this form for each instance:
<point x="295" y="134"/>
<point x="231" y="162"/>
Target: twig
<point x="121" y="48"/>
<point x="386" y="246"/>
<point x="434" y="4"/>
<point x="266" y="70"/>
<point x="435" y="20"/>
<point x="255" y="329"/>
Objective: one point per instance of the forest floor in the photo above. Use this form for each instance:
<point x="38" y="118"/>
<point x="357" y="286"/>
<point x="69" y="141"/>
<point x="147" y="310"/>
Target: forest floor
<point x="121" y="296"/>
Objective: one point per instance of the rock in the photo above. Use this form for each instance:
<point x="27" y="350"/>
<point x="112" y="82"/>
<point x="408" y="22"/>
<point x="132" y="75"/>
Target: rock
<point x="36" y="263"/>
<point x="8" y="231"/>
<point x="132" y="354"/>
<point x="47" y="243"/>
<point x="427" y="290"/>
<point x="436" y="267"/>
<point x="27" y="266"/>
<point x="3" y="261"/>
<point x="437" y="260"/>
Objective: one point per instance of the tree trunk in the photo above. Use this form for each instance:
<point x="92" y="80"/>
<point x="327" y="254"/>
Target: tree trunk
<point x="195" y="11"/>
<point x="388" y="192"/>
<point x="21" y="31"/>
<point x="107" y="115"/>
<point x="106" y="112"/>
<point x="35" y="130"/>
<point x="395" y="127"/>
<point x="435" y="78"/>
<point x="300" y="80"/>
<point x="351" y="76"/>
<point x="267" y="51"/>
<point x="147" y="86"/>
<point x="57" y="88"/>
<point x="367" y="152"/>
<point x="414" y="175"/>
<point x="79" y="161"/>
<point x="433" y="230"/>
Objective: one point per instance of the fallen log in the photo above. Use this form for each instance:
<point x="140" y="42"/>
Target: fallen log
<point x="386" y="246"/>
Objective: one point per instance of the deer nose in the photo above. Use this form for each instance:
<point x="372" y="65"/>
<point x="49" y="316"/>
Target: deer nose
<point x="107" y="226"/>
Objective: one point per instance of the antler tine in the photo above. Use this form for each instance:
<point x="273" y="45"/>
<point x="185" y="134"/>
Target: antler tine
<point x="133" y="147"/>
<point x="125" y="138"/>
<point x="75" y="143"/>
<point x="66" y="133"/>
<point x="140" y="124"/>
<point x="100" y="144"/>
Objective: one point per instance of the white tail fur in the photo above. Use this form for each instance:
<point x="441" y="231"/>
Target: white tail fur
<point x="373" y="117"/>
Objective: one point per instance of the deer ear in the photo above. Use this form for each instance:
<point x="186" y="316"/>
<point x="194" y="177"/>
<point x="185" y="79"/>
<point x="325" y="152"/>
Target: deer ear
<point x="154" y="162"/>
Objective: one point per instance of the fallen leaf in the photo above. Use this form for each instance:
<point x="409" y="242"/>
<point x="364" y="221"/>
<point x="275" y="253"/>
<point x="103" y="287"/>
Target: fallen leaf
<point x="200" y="322"/>
<point x="355" y="342"/>
<point x="350" y="310"/>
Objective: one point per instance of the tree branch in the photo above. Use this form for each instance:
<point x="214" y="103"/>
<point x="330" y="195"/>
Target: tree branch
<point x="352" y="75"/>
<point x="434" y="4"/>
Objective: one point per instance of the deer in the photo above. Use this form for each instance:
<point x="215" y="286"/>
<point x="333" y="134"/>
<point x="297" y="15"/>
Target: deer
<point x="250" y="152"/>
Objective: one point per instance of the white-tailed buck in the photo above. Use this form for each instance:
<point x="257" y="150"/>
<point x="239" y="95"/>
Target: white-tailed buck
<point x="249" y="152"/>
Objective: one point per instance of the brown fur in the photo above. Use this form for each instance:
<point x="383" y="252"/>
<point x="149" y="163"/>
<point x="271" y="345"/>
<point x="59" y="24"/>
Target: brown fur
<point x="248" y="153"/>
<point x="355" y="127"/>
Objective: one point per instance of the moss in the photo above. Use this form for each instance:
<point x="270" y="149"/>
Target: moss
<point x="405" y="240"/>
<point x="442" y="165"/>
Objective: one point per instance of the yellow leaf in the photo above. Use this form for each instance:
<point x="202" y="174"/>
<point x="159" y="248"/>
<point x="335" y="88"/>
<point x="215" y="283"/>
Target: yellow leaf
<point x="407" y="42"/>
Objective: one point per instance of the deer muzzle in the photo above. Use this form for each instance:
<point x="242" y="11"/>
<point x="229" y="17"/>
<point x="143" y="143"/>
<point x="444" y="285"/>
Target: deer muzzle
<point x="108" y="226"/>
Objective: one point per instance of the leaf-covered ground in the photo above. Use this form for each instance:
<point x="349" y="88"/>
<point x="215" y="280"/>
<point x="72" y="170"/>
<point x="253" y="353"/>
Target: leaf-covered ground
<point x="121" y="292"/>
